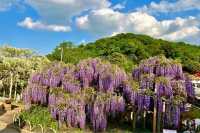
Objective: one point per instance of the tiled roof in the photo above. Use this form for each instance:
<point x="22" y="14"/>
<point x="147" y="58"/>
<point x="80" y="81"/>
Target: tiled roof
<point x="197" y="74"/>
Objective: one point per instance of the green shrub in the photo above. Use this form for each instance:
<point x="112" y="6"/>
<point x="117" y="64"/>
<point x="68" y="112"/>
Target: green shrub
<point x="38" y="115"/>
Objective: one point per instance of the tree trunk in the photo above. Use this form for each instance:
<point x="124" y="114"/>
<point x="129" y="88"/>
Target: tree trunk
<point x="15" y="94"/>
<point x="4" y="92"/>
<point x="144" y="120"/>
<point x="134" y="118"/>
<point x="154" y="117"/>
<point x="163" y="115"/>
<point x="155" y="112"/>
<point x="158" y="122"/>
<point x="11" y="85"/>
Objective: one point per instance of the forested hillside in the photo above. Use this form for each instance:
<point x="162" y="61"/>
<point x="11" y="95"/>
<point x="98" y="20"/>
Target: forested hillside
<point x="127" y="50"/>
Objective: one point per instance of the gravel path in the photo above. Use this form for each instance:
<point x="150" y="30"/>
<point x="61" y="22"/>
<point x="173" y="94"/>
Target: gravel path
<point x="9" y="130"/>
<point x="6" y="119"/>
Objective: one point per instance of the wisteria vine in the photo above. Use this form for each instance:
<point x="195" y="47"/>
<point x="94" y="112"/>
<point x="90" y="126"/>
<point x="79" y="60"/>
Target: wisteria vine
<point x="94" y="90"/>
<point x="165" y="78"/>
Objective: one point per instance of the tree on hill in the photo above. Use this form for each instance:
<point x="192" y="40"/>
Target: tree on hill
<point x="134" y="48"/>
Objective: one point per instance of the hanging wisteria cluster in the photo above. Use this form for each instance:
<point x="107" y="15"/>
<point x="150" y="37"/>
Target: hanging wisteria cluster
<point x="95" y="90"/>
<point x="164" y="78"/>
<point x="78" y="93"/>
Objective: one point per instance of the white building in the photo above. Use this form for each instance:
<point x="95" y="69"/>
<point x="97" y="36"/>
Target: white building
<point x="196" y="86"/>
<point x="169" y="131"/>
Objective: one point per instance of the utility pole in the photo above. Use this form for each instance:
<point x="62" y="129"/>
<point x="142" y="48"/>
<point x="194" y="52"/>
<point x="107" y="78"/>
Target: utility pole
<point x="61" y="54"/>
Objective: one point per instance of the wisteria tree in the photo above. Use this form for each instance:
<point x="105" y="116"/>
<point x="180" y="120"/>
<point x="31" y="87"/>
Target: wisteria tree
<point x="16" y="65"/>
<point x="163" y="85"/>
<point x="95" y="90"/>
<point x="76" y="94"/>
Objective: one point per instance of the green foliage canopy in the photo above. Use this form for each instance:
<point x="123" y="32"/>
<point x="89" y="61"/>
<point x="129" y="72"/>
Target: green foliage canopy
<point x="127" y="50"/>
<point x="16" y="65"/>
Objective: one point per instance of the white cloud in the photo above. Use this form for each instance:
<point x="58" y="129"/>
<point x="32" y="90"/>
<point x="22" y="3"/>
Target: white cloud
<point x="37" y="25"/>
<point x="109" y="22"/>
<point x="119" y="6"/>
<point x="166" y="6"/>
<point x="62" y="11"/>
<point x="102" y="21"/>
<point x="55" y="14"/>
<point x="7" y="4"/>
<point x="182" y="33"/>
<point x="177" y="24"/>
<point x="101" y="18"/>
<point x="82" y="42"/>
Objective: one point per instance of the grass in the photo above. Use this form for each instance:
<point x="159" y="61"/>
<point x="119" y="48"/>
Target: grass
<point x="40" y="115"/>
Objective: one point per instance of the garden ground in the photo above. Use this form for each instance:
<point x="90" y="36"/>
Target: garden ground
<point x="6" y="120"/>
<point x="6" y="123"/>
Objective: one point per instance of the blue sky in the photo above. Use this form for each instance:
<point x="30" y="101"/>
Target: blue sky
<point x="43" y="24"/>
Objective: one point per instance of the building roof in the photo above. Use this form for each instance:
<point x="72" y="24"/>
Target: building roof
<point x="196" y="76"/>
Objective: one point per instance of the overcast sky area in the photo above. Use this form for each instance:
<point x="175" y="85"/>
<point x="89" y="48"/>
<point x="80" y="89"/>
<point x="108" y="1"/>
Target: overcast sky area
<point x="43" y="24"/>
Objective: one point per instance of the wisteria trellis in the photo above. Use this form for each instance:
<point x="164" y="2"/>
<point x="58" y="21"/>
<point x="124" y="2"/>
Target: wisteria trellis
<point x="95" y="89"/>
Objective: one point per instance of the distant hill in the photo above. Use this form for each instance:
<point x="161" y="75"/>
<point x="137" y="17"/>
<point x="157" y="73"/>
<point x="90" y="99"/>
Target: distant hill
<point x="127" y="50"/>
